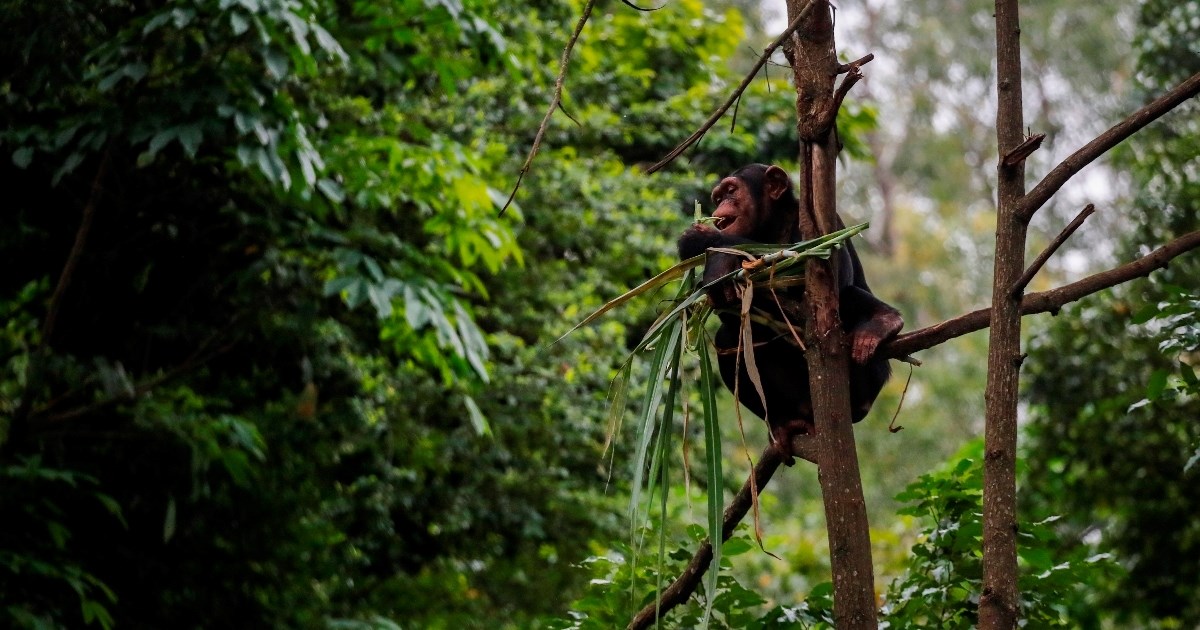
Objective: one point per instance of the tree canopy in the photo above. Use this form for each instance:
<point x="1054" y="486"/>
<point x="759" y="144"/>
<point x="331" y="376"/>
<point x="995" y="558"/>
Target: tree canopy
<point x="273" y="357"/>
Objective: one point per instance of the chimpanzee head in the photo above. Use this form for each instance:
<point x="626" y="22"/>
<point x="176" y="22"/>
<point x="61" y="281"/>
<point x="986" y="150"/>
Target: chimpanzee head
<point x="756" y="202"/>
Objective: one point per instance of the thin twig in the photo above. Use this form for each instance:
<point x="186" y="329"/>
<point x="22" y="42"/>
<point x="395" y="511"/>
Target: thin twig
<point x="1043" y="302"/>
<point x="37" y="359"/>
<point x="634" y="6"/>
<point x="900" y="405"/>
<point x="1040" y="261"/>
<point x="194" y="361"/>
<point x="1059" y="175"/>
<point x="716" y="115"/>
<point x="843" y="68"/>
<point x="81" y="236"/>
<point x="554" y="101"/>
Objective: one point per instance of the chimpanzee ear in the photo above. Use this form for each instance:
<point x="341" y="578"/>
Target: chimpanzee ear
<point x="776" y="182"/>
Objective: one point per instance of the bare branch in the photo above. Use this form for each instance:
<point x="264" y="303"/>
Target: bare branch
<point x="735" y="95"/>
<point x="555" y="100"/>
<point x="1040" y="261"/>
<point x="1024" y="150"/>
<point x="682" y="588"/>
<point x="1066" y="169"/>
<point x="81" y="237"/>
<point x="192" y="362"/>
<point x="1043" y="302"/>
<point x="853" y="75"/>
<point x="33" y="374"/>
<point x="843" y="68"/>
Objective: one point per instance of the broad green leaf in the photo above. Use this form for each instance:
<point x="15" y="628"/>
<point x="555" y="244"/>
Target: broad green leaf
<point x="478" y="421"/>
<point x="161" y="139"/>
<point x="238" y="22"/>
<point x="670" y="274"/>
<point x="190" y="137"/>
<point x="1156" y="385"/>
<point x="356" y="293"/>
<point x="156" y="22"/>
<point x="328" y="43"/>
<point x="331" y="189"/>
<point x="380" y="299"/>
<point x="277" y="63"/>
<point x="22" y="157"/>
<point x="337" y="285"/>
<point x="373" y="268"/>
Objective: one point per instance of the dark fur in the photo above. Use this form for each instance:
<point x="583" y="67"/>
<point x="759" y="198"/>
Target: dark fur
<point x="757" y="205"/>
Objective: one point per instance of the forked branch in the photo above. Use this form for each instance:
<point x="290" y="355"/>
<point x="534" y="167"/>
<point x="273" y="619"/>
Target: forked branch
<point x="736" y="94"/>
<point x="1043" y="257"/>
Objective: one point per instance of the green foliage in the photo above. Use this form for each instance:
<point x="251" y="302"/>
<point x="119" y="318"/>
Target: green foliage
<point x="301" y="352"/>
<point x="623" y="582"/>
<point x="36" y="547"/>
<point x="1113" y="410"/>
<point x="1178" y="317"/>
<point x="942" y="582"/>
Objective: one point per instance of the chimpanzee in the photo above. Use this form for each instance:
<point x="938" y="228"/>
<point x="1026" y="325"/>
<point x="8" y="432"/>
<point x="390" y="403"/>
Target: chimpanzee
<point x="756" y="204"/>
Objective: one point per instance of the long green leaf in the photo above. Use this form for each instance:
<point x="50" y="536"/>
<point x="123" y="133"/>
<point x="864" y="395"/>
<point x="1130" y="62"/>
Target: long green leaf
<point x="661" y="465"/>
<point x="673" y="273"/>
<point x="659" y="366"/>
<point x="657" y="329"/>
<point x="616" y="411"/>
<point x="712" y="453"/>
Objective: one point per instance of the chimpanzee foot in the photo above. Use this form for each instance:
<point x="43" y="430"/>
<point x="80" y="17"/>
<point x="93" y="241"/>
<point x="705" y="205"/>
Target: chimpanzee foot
<point x="782" y="436"/>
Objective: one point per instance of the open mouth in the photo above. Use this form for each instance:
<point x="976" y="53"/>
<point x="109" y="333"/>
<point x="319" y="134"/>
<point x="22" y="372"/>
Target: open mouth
<point x="722" y="222"/>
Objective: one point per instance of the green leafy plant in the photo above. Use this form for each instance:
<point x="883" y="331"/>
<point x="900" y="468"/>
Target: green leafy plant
<point x="941" y="585"/>
<point x="36" y="546"/>
<point x="1177" y="316"/>
<point x="619" y="587"/>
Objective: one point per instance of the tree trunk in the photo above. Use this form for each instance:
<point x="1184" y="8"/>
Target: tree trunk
<point x="814" y="62"/>
<point x="998" y="603"/>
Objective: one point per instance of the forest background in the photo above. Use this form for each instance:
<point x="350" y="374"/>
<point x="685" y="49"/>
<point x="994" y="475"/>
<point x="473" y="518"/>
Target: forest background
<point x="272" y="358"/>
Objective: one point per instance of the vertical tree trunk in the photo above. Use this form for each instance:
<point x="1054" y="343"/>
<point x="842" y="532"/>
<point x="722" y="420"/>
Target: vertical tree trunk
<point x="998" y="604"/>
<point x="814" y="61"/>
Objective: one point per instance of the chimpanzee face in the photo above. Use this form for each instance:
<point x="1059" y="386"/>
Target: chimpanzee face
<point x="737" y="211"/>
<point x="756" y="202"/>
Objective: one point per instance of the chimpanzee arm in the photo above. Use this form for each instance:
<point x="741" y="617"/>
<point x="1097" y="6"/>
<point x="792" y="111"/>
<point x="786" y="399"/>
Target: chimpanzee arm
<point x="696" y="240"/>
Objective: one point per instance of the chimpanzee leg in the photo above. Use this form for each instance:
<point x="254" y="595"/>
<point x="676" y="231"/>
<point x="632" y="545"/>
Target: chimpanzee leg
<point x="868" y="322"/>
<point x="865" y="383"/>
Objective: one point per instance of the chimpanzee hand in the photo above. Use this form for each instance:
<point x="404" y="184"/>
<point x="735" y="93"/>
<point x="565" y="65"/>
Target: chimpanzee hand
<point x="697" y="238"/>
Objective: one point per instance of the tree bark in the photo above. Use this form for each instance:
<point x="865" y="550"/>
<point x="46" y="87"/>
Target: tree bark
<point x="811" y="52"/>
<point x="998" y="603"/>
